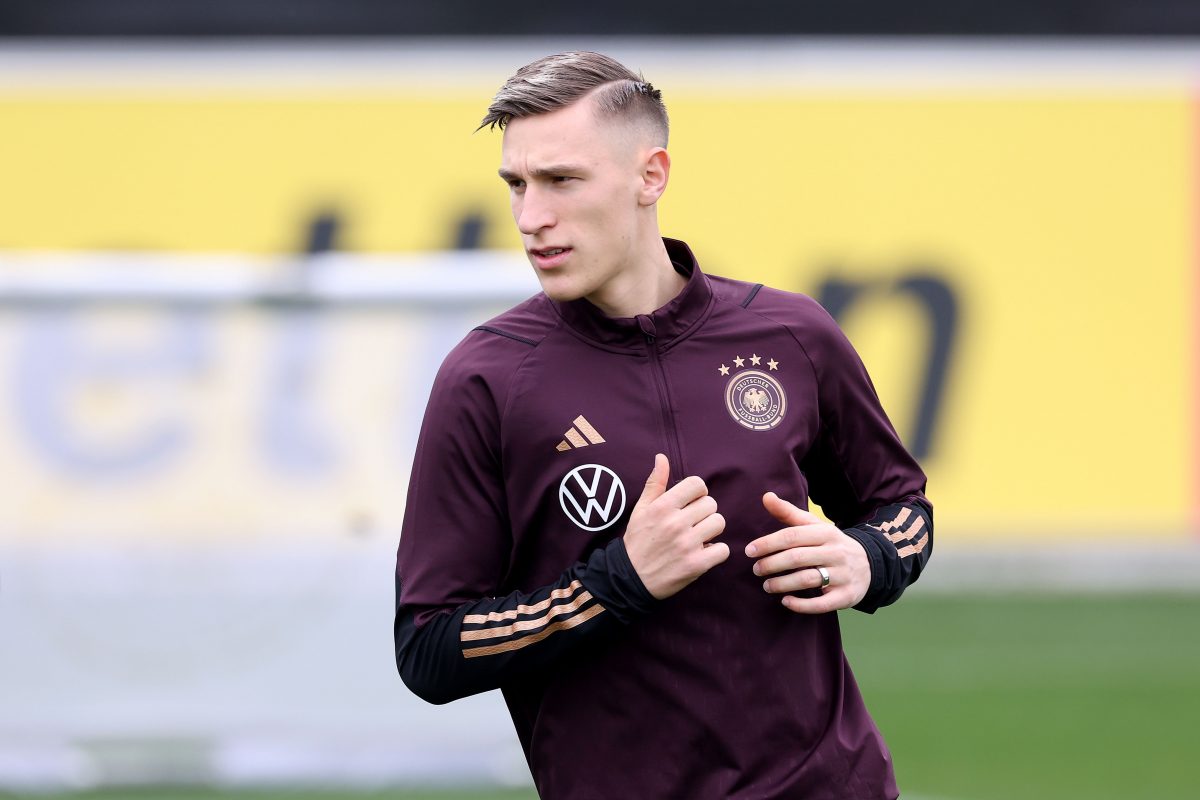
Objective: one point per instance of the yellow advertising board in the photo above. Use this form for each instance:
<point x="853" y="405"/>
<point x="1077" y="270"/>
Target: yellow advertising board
<point x="1016" y="267"/>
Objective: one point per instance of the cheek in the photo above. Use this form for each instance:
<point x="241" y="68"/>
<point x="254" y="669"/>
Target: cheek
<point x="617" y="221"/>
<point x="607" y="211"/>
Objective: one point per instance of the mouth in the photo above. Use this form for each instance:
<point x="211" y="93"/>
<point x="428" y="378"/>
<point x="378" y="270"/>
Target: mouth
<point x="548" y="257"/>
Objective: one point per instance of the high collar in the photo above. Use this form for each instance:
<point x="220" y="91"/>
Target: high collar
<point x="667" y="324"/>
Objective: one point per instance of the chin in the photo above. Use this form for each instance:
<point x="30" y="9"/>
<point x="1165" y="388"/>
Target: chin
<point x="562" y="291"/>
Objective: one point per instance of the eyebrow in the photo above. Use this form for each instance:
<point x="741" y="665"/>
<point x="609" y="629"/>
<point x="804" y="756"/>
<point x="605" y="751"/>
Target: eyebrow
<point x="549" y="171"/>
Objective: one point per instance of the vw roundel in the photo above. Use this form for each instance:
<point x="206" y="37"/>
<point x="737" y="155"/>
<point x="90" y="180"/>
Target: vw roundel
<point x="592" y="496"/>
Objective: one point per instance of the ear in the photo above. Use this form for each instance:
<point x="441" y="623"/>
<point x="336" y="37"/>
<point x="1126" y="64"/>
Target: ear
<point x="656" y="169"/>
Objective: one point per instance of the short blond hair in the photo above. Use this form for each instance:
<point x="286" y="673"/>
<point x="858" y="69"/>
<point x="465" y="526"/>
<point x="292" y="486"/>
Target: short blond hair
<point x="557" y="81"/>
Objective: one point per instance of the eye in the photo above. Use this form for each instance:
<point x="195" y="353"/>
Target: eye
<point x="562" y="178"/>
<point x="516" y="185"/>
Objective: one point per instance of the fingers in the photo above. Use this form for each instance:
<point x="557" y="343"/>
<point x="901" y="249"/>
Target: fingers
<point x="713" y="554"/>
<point x="656" y="484"/>
<point x="830" y="601"/>
<point x="669" y="532"/>
<point x="700" y="509"/>
<point x="680" y="495"/>
<point x="787" y="513"/>
<point x="849" y="583"/>
<point x="833" y="597"/>
<point x="709" y="528"/>
<point x="798" y="581"/>
<point x="795" y="558"/>
<point x="687" y="490"/>
<point x="803" y="536"/>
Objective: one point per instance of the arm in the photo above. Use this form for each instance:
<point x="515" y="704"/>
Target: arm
<point x="898" y="540"/>
<point x="861" y="474"/>
<point x="865" y="481"/>
<point x="445" y="654"/>
<point x="453" y="635"/>
<point x="869" y="565"/>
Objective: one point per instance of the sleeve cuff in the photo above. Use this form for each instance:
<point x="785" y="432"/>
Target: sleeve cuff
<point x="610" y="577"/>
<point x="870" y="602"/>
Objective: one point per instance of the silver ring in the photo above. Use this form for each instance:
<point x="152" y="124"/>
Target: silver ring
<point x="824" y="576"/>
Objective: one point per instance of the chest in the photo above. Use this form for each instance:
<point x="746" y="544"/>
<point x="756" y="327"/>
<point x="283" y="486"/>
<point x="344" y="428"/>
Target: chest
<point x="582" y="425"/>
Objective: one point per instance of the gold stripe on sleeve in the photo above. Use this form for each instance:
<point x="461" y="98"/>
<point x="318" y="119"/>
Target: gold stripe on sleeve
<point x="909" y="532"/>
<point x="525" y="625"/>
<point x="914" y="548"/>
<point x="898" y="522"/>
<point x="561" y="625"/>
<point x="512" y="613"/>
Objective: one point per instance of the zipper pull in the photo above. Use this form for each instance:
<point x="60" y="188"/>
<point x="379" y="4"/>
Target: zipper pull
<point x="647" y="325"/>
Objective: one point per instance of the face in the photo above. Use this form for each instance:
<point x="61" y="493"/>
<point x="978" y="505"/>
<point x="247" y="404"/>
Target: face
<point x="579" y="197"/>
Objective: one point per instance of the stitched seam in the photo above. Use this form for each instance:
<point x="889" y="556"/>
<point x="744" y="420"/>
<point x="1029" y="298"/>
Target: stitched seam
<point x="506" y="334"/>
<point x="501" y="413"/>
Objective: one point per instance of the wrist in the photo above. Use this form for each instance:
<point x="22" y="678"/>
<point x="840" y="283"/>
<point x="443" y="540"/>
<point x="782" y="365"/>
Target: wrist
<point x="874" y="558"/>
<point x="612" y="579"/>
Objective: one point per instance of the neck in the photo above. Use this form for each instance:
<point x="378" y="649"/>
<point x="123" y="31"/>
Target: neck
<point x="650" y="283"/>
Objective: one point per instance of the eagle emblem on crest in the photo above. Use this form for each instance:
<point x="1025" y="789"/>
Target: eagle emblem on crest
<point x="755" y="400"/>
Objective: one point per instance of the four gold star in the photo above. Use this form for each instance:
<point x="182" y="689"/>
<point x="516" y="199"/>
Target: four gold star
<point x="755" y="360"/>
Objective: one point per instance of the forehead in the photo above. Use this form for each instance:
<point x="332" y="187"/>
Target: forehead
<point x="571" y="134"/>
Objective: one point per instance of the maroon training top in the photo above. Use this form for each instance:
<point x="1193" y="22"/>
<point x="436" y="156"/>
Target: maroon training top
<point x="541" y="428"/>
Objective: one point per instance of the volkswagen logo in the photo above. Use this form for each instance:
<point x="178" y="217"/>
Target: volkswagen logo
<point x="592" y="496"/>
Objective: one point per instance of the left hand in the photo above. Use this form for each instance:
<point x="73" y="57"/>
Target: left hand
<point x="792" y="554"/>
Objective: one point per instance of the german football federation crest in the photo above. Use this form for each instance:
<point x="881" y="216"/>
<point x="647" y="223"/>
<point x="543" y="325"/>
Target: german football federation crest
<point x="753" y="397"/>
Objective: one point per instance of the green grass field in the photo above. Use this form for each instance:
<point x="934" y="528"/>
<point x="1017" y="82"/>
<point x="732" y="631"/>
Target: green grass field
<point x="990" y="697"/>
<point x="987" y="697"/>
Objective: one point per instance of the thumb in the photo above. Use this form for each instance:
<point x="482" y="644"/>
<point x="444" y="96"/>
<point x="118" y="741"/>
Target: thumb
<point x="656" y="484"/>
<point x="786" y="512"/>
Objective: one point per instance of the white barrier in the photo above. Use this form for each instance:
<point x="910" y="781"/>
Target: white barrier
<point x="206" y="461"/>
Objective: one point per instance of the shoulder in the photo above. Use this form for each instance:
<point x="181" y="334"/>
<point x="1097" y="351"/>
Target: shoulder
<point x="489" y="355"/>
<point x="788" y="308"/>
<point x="527" y="323"/>
<point x="802" y="316"/>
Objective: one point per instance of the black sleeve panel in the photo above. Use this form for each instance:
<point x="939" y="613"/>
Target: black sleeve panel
<point x="898" y="539"/>
<point x="480" y="645"/>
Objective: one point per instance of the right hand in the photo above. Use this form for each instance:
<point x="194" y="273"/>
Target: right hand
<point x="669" y="532"/>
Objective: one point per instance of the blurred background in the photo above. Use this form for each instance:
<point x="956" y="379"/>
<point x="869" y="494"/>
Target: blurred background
<point x="236" y="240"/>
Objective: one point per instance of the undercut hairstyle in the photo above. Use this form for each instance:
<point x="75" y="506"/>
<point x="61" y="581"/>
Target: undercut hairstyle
<point x="557" y="81"/>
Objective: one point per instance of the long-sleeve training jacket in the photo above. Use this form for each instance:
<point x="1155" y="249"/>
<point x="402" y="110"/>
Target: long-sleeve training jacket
<point x="539" y="435"/>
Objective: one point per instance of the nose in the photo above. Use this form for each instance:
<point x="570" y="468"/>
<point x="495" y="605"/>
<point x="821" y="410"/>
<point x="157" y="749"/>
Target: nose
<point x="534" y="212"/>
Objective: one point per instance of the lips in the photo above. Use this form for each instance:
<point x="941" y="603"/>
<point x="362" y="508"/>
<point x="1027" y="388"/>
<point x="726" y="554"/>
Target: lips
<point x="548" y="257"/>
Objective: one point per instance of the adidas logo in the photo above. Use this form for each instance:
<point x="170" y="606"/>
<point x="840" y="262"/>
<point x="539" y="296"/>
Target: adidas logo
<point x="581" y="434"/>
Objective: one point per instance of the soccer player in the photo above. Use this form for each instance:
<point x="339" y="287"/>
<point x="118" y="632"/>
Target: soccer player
<point x="649" y="645"/>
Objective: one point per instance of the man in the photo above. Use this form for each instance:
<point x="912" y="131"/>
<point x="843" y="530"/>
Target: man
<point x="650" y="646"/>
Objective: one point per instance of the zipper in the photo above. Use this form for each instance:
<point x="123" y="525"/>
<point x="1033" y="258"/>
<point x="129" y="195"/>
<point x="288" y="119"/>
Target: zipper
<point x="670" y="432"/>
